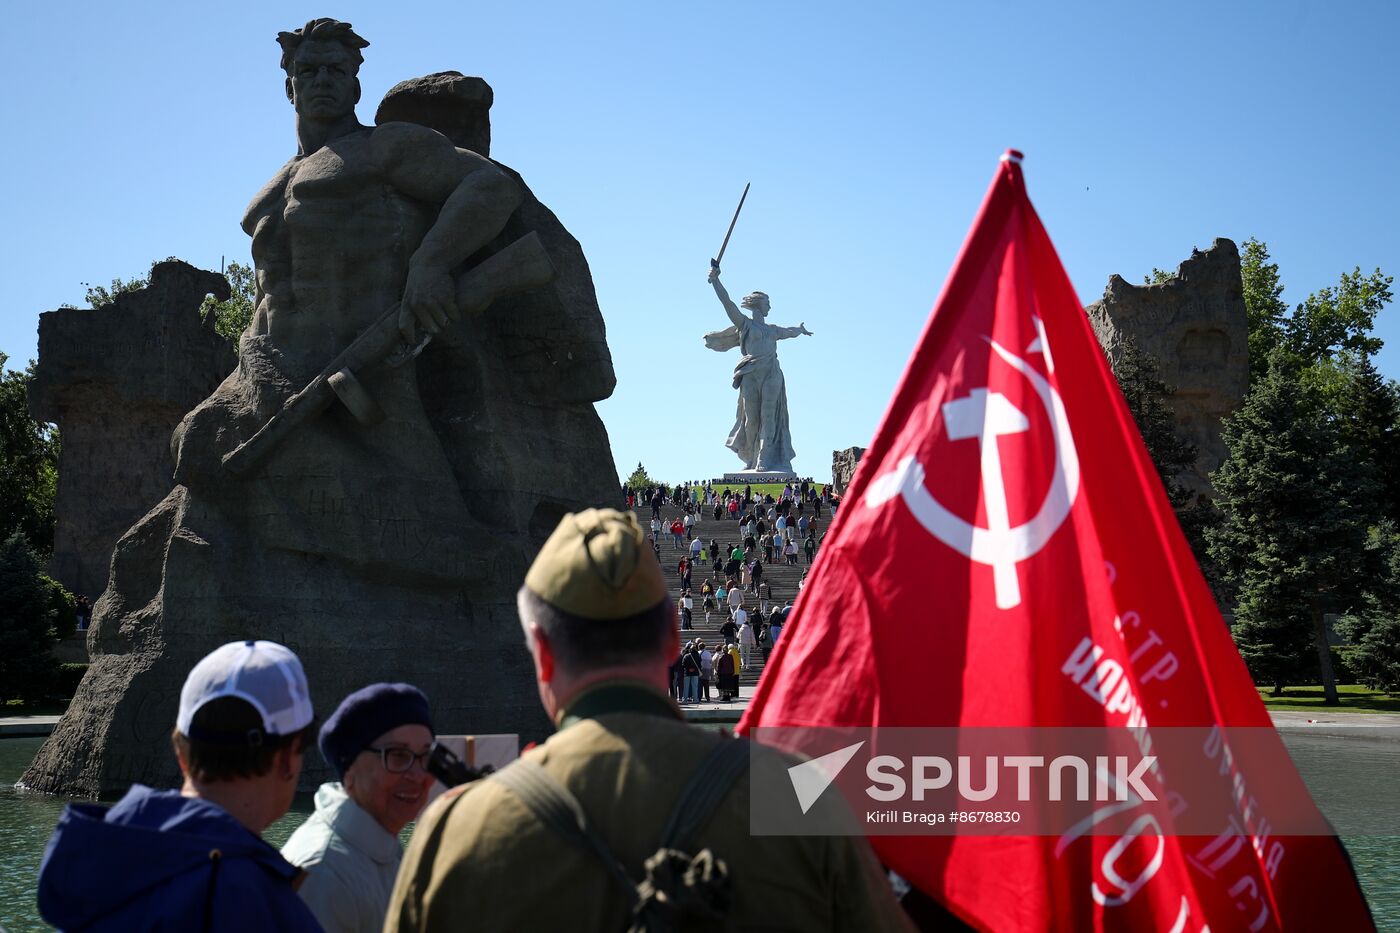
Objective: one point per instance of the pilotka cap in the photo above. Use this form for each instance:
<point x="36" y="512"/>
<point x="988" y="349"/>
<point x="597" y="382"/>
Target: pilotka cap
<point x="597" y="565"/>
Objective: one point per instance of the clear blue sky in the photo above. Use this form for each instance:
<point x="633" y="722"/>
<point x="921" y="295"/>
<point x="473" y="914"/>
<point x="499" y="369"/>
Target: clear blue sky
<point x="869" y="133"/>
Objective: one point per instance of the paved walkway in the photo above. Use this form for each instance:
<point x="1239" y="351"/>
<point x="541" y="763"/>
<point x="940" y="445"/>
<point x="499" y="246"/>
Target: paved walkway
<point x="15" y="726"/>
<point x="715" y="711"/>
<point x="1375" y="727"/>
<point x="1383" y="727"/>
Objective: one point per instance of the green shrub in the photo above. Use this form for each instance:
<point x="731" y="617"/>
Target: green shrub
<point x="69" y="676"/>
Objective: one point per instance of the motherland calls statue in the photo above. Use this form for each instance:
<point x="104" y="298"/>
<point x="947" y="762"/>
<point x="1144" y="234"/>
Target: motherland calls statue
<point x="760" y="436"/>
<point x="369" y="484"/>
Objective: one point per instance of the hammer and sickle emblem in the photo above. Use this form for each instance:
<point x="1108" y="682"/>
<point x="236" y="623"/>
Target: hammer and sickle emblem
<point x="985" y="415"/>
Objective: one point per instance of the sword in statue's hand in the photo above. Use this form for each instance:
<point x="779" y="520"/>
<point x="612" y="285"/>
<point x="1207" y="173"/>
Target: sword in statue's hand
<point x="714" y="263"/>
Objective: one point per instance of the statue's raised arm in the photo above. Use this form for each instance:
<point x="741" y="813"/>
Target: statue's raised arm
<point x="729" y="307"/>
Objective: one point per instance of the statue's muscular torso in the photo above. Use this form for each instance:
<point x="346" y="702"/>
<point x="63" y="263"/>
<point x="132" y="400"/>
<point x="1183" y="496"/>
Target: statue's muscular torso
<point x="332" y="238"/>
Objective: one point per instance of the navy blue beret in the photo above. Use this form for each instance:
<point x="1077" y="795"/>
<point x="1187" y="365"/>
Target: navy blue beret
<point x="367" y="714"/>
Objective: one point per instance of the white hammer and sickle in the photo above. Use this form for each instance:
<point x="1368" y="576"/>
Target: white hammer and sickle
<point x="987" y="416"/>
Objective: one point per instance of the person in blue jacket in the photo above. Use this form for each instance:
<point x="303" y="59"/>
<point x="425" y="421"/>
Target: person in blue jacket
<point x="193" y="859"/>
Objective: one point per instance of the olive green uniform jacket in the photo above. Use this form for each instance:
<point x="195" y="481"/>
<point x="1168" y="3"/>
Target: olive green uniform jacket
<point x="480" y="860"/>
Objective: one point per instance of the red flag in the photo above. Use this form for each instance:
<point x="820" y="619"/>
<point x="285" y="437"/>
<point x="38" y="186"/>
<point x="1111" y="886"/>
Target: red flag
<point x="1005" y="549"/>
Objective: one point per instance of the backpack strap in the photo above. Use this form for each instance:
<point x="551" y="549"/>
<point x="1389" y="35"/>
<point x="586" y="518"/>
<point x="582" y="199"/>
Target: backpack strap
<point x="703" y="794"/>
<point x="560" y="810"/>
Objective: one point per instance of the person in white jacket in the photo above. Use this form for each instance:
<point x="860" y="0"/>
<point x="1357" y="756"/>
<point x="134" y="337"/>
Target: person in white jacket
<point x="378" y="740"/>
<point x="747" y="642"/>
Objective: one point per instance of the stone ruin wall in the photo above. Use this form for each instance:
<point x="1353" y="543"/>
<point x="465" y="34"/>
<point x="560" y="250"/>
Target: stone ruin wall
<point x="116" y="380"/>
<point x="843" y="467"/>
<point x="1195" y="326"/>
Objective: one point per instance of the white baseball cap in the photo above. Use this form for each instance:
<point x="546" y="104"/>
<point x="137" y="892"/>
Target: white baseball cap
<point x="265" y="674"/>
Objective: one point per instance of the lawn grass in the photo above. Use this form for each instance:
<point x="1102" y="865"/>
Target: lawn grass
<point x="1355" y="699"/>
<point x="760" y="489"/>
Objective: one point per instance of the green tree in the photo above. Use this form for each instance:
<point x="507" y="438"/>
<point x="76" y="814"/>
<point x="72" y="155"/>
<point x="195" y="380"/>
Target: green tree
<point x="28" y="463"/>
<point x="1348" y="425"/>
<point x="63" y="607"/>
<point x="1374" y="630"/>
<point x="1367" y="408"/>
<point x="1158" y="276"/>
<point x="1329" y="322"/>
<point x="1265" y="309"/>
<point x="27" y="666"/>
<point x="1339" y="320"/>
<point x="232" y="317"/>
<point x="640" y="480"/>
<point x="1294" y="501"/>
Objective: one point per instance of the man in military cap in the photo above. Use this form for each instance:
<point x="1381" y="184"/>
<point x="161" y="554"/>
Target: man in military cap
<point x="602" y="632"/>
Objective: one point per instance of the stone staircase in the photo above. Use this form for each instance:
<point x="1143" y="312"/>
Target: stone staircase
<point x="779" y="579"/>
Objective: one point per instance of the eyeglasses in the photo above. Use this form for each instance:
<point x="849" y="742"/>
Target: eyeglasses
<point x="399" y="760"/>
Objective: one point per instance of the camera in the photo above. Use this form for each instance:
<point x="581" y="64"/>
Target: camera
<point x="444" y="765"/>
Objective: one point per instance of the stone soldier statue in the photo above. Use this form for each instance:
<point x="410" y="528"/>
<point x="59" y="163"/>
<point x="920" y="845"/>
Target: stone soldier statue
<point x="360" y="218"/>
<point x="383" y="536"/>
<point x="760" y="436"/>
